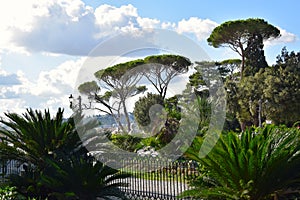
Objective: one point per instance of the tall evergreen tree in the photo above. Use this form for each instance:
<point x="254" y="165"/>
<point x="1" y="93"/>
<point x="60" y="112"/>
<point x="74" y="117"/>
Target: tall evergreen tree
<point x="254" y="53"/>
<point x="239" y="34"/>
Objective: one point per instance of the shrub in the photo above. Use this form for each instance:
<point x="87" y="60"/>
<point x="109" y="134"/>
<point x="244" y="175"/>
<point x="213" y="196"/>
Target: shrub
<point x="256" y="164"/>
<point x="125" y="142"/>
<point x="56" y="164"/>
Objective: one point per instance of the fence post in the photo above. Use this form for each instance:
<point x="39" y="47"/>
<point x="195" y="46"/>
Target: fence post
<point x="162" y="183"/>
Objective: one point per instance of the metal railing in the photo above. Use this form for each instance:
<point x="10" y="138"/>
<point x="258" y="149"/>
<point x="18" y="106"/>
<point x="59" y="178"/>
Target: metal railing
<point x="8" y="167"/>
<point x="166" y="182"/>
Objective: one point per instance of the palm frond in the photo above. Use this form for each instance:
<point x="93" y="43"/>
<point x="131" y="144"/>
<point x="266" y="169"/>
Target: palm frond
<point x="255" y="164"/>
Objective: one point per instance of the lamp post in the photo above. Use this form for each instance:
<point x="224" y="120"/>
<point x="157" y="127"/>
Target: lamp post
<point x="80" y="106"/>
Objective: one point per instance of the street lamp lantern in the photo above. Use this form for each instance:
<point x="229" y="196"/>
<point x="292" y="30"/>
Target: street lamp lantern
<point x="72" y="103"/>
<point x="79" y="105"/>
<point x="71" y="99"/>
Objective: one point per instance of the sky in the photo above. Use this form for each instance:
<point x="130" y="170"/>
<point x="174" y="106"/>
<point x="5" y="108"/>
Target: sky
<point x="44" y="44"/>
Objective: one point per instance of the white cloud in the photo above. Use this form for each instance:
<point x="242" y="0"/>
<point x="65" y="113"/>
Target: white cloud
<point x="53" y="103"/>
<point x="11" y="79"/>
<point x="16" y="14"/>
<point x="53" y="87"/>
<point x="3" y="72"/>
<point x="71" y="27"/>
<point x="200" y="27"/>
<point x="65" y="27"/>
<point x="286" y="37"/>
<point x="148" y="22"/>
<point x="50" y="90"/>
<point x="11" y="85"/>
<point x="168" y="25"/>
<point x="110" y="17"/>
<point x="53" y="83"/>
<point x="58" y="81"/>
<point x="12" y="105"/>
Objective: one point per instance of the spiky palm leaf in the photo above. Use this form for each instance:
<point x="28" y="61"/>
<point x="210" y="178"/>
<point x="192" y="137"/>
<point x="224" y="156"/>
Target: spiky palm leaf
<point x="83" y="178"/>
<point x="258" y="164"/>
<point x="32" y="136"/>
<point x="58" y="163"/>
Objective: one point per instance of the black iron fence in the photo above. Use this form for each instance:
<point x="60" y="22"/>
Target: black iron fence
<point x="9" y="167"/>
<point x="166" y="180"/>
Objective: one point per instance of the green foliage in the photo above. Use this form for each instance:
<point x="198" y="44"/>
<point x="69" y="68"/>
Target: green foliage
<point x="125" y="142"/>
<point x="228" y="68"/>
<point x="257" y="164"/>
<point x="132" y="144"/>
<point x="161" y="69"/>
<point x="282" y="89"/>
<point x="29" y="183"/>
<point x="204" y="107"/>
<point x="149" y="142"/>
<point x="274" y="90"/>
<point x="168" y="132"/>
<point x="142" y="108"/>
<point x="200" y="88"/>
<point x="141" y="88"/>
<point x="82" y="178"/>
<point x="231" y="123"/>
<point x="89" y="88"/>
<point x="171" y="107"/>
<point x="242" y="37"/>
<point x="10" y="193"/>
<point x="117" y="71"/>
<point x="162" y="124"/>
<point x="176" y="62"/>
<point x="121" y="82"/>
<point x="196" y="80"/>
<point x="250" y="94"/>
<point x="34" y="136"/>
<point x="254" y="53"/>
<point x="238" y="31"/>
<point x="56" y="164"/>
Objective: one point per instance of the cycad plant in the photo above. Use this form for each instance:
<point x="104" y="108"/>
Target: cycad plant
<point x="257" y="164"/>
<point x="82" y="178"/>
<point x="56" y="164"/>
<point x="31" y="137"/>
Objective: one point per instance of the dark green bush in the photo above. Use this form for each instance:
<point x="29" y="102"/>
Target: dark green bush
<point x="57" y="165"/>
<point x="254" y="165"/>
